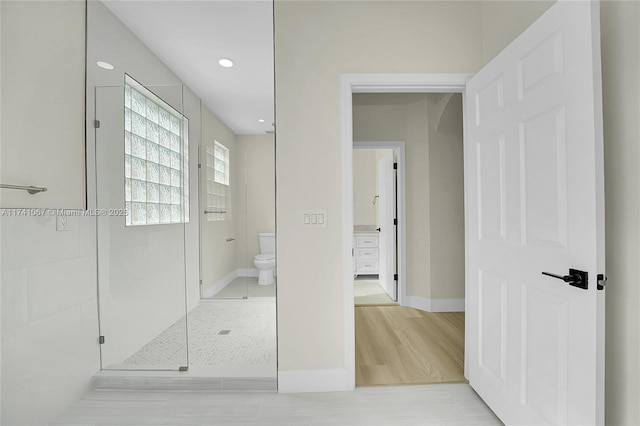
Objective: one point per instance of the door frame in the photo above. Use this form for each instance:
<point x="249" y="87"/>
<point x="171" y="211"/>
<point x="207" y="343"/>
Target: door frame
<point x="378" y="83"/>
<point x="401" y="251"/>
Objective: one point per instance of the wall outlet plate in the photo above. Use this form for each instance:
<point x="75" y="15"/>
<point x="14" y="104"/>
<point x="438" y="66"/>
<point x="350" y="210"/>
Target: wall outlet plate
<point x="62" y="222"/>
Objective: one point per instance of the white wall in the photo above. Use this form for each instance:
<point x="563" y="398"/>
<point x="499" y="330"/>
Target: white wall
<point x="620" y="38"/>
<point x="49" y="308"/>
<point x="39" y="87"/>
<point x="256" y="210"/>
<point x="504" y="20"/>
<point x="446" y="198"/>
<point x="219" y="256"/>
<point x="49" y="316"/>
<point x="621" y="94"/>
<point x="365" y="187"/>
<point x="316" y="41"/>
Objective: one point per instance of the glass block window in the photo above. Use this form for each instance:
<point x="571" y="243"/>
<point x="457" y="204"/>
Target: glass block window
<point x="217" y="171"/>
<point x="156" y="159"/>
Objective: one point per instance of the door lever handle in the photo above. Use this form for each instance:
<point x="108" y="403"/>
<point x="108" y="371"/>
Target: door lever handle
<point x="575" y="278"/>
<point x="565" y="278"/>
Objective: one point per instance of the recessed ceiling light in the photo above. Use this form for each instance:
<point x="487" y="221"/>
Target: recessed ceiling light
<point x="261" y="121"/>
<point x="105" y="65"/>
<point x="225" y="62"/>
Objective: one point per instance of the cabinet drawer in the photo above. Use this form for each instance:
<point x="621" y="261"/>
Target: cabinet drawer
<point x="367" y="254"/>
<point x="367" y="267"/>
<point x="367" y="241"/>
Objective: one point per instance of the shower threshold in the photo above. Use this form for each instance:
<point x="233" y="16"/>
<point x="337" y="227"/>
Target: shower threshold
<point x="196" y="378"/>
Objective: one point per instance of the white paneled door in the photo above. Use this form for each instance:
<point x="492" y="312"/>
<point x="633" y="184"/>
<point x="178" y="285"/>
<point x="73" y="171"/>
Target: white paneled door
<point x="386" y="216"/>
<point x="535" y="203"/>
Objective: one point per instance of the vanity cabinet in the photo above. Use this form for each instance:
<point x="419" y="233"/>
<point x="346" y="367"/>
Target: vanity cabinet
<point x="366" y="254"/>
<point x="43" y="103"/>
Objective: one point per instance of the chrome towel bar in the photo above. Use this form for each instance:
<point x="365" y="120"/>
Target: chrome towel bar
<point x="29" y="189"/>
<point x="213" y="211"/>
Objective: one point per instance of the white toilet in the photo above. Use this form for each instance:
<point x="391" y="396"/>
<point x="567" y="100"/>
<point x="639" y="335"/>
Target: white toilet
<point x="266" y="260"/>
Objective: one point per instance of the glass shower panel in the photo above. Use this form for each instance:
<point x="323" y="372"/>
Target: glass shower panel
<point x="223" y="269"/>
<point x="142" y="193"/>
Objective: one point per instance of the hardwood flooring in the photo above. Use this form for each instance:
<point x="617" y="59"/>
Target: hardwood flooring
<point x="397" y="345"/>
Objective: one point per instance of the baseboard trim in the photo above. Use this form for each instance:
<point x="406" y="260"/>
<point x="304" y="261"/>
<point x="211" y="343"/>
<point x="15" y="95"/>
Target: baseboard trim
<point x="434" y="305"/>
<point x="300" y="381"/>
<point x="227" y="279"/>
<point x="248" y="272"/>
<point x="220" y="284"/>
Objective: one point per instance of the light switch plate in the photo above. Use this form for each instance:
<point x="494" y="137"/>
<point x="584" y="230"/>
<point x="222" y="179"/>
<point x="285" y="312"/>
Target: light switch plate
<point x="314" y="218"/>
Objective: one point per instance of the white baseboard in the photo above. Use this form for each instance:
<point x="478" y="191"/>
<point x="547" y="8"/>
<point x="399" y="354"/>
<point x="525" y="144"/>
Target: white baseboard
<point x="248" y="272"/>
<point x="226" y="280"/>
<point x="299" y="381"/>
<point x="220" y="284"/>
<point x="434" y="305"/>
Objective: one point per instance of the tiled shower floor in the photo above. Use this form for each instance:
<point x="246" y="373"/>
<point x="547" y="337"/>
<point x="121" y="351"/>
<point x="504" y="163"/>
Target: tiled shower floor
<point x="251" y="337"/>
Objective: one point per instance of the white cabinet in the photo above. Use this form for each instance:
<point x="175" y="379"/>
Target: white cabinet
<point x="43" y="103"/>
<point x="366" y="254"/>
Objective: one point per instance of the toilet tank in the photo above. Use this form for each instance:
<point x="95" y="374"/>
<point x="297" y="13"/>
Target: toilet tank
<point x="267" y="241"/>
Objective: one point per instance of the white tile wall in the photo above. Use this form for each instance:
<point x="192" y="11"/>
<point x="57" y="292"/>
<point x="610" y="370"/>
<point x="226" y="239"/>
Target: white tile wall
<point x="60" y="285"/>
<point x="15" y="306"/>
<point x="49" y="316"/>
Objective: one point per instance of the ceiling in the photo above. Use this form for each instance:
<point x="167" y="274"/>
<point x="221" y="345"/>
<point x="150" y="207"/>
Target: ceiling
<point x="191" y="36"/>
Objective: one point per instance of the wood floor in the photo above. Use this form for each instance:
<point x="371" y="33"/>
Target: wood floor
<point x="397" y="345"/>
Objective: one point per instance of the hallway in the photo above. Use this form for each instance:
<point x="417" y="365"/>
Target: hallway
<point x="400" y="346"/>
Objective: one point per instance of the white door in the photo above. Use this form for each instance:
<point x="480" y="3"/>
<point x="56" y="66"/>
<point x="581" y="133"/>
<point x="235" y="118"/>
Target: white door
<point x="535" y="203"/>
<point x="386" y="216"/>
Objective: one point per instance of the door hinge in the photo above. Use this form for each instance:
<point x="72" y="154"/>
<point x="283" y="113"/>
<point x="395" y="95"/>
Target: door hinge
<point x="602" y="281"/>
<point x="101" y="340"/>
<point x="199" y="165"/>
<point x="395" y="277"/>
<point x="395" y="221"/>
<point x="96" y="124"/>
<point x="200" y="282"/>
<point x="395" y="166"/>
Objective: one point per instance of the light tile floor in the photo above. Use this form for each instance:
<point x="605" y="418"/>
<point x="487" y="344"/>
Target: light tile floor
<point x="369" y="292"/>
<point x="451" y="404"/>
<point x="246" y="287"/>
<point x="251" y="339"/>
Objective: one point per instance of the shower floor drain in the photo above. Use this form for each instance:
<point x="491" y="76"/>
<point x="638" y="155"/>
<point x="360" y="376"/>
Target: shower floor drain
<point x="224" y="332"/>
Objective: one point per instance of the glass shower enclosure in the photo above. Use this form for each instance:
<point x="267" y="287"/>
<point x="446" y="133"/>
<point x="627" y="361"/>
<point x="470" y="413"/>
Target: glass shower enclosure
<point x="141" y="154"/>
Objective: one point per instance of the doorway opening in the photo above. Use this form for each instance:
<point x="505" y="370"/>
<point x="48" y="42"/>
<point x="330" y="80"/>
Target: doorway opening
<point x="420" y="341"/>
<point x="378" y="174"/>
<point x="397" y="344"/>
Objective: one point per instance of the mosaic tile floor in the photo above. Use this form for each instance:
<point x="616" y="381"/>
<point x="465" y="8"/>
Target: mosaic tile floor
<point x="246" y="287"/>
<point x="251" y="339"/>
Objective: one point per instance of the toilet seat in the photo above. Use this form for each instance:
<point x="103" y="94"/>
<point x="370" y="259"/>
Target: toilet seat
<point x="265" y="257"/>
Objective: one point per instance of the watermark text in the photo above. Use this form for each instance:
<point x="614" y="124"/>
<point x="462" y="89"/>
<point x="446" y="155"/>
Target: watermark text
<point x="63" y="212"/>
